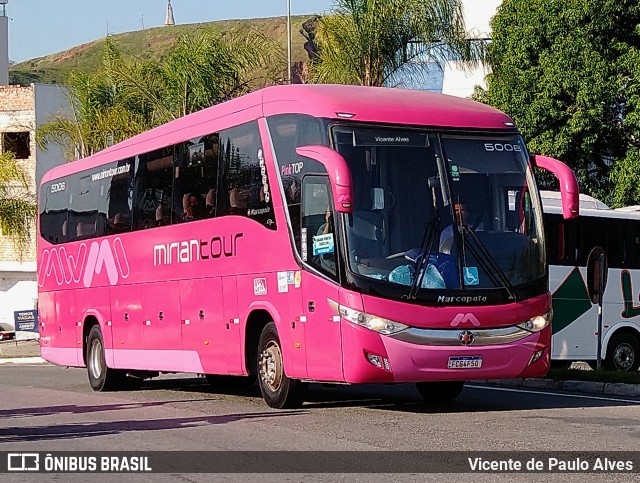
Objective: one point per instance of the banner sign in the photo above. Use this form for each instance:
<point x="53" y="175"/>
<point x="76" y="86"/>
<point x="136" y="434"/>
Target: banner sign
<point x="333" y="462"/>
<point x="26" y="320"/>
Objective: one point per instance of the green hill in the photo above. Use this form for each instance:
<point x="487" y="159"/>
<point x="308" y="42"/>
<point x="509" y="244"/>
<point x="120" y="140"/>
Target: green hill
<point x="153" y="43"/>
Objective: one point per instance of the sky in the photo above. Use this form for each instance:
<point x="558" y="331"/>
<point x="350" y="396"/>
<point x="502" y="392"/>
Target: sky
<point x="42" y="27"/>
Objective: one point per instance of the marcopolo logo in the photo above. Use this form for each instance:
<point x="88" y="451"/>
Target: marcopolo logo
<point x="464" y="319"/>
<point x="89" y="261"/>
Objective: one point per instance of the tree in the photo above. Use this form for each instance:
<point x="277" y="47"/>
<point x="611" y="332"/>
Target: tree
<point x="126" y="97"/>
<point x="17" y="205"/>
<point x="568" y="73"/>
<point x="368" y="42"/>
<point x="201" y="70"/>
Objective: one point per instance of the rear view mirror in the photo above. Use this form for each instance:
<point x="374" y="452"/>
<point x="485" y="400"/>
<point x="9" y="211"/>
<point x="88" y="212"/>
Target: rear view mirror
<point x="569" y="190"/>
<point x="339" y="175"/>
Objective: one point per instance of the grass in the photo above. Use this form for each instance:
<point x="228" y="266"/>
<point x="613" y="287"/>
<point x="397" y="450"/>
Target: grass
<point x="152" y="43"/>
<point x="594" y="376"/>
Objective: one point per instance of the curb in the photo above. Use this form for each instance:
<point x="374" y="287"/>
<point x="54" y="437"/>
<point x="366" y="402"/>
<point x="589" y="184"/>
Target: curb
<point x="588" y="387"/>
<point x="22" y="360"/>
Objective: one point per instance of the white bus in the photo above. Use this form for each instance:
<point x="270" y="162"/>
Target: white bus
<point x="575" y="318"/>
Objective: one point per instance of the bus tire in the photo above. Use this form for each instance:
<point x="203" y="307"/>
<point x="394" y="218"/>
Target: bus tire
<point x="278" y="390"/>
<point x="101" y="377"/>
<point x="623" y="352"/>
<point x="440" y="391"/>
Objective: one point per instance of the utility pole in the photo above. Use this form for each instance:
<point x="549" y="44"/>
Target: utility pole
<point x="289" y="41"/>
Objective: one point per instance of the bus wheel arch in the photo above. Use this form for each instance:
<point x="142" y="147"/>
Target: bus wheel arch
<point x="623" y="350"/>
<point x="256" y="323"/>
<point x="89" y="323"/>
<point x="101" y="377"/>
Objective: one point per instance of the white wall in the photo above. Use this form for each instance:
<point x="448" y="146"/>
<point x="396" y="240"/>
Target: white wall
<point x="460" y="82"/>
<point x="18" y="291"/>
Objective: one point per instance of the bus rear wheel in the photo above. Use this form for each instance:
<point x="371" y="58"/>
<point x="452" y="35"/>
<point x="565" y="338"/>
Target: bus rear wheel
<point x="623" y="353"/>
<point x="278" y="390"/>
<point x="101" y="377"/>
<point x="440" y="391"/>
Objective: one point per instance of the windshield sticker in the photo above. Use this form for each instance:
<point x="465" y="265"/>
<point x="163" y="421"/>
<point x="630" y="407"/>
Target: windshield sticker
<point x="283" y="286"/>
<point x="455" y="173"/>
<point x="263" y="173"/>
<point x="291" y="169"/>
<point x="323" y="244"/>
<point x="298" y="279"/>
<point x="471" y="275"/>
<point x="303" y="241"/>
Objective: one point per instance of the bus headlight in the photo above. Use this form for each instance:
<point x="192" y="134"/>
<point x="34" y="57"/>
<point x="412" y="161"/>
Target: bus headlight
<point x="371" y="322"/>
<point x="537" y="323"/>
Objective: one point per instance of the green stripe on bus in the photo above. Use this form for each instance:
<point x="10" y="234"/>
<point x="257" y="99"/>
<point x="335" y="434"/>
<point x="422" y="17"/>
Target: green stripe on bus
<point x="570" y="301"/>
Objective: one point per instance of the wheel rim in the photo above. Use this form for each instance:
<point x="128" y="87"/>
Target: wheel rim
<point x="624" y="356"/>
<point x="95" y="359"/>
<point x="271" y="371"/>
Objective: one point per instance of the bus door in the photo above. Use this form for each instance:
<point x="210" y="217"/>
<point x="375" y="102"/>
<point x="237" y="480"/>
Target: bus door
<point x="319" y="250"/>
<point x="203" y="322"/>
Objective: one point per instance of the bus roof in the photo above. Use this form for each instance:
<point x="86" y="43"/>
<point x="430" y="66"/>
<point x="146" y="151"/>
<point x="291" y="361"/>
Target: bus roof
<point x="589" y="206"/>
<point x="333" y="101"/>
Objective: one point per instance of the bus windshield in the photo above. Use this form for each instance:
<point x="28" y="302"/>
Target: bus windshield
<point x="435" y="212"/>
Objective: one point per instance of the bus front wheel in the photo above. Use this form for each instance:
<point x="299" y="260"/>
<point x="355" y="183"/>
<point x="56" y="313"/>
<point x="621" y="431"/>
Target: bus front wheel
<point x="440" y="391"/>
<point x="623" y="353"/>
<point x="278" y="390"/>
<point x="101" y="377"/>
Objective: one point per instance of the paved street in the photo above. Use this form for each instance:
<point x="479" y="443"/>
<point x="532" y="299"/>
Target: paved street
<point x="49" y="408"/>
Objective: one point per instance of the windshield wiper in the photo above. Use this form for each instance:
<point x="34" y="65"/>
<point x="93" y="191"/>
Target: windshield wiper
<point x="486" y="260"/>
<point x="431" y="231"/>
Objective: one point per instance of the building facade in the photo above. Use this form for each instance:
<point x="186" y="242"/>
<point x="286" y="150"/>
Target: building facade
<point x="22" y="110"/>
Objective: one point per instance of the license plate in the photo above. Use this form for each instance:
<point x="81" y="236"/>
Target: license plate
<point x="465" y="362"/>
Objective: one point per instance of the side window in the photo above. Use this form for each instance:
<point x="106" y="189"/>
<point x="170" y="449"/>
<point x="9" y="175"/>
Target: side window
<point x="554" y="228"/>
<point x="116" y="196"/>
<point x="195" y="178"/>
<point x="84" y="199"/>
<point x="152" y="191"/>
<point x="289" y="131"/>
<point x="318" y="234"/>
<point x="616" y="246"/>
<point x="244" y="187"/>
<point x="602" y="232"/>
<point x="633" y="259"/>
<point x="54" y="208"/>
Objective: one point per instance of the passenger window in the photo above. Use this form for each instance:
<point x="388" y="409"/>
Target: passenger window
<point x="54" y="201"/>
<point x="116" y="189"/>
<point x="195" y="178"/>
<point x="152" y="192"/>
<point x="244" y="184"/>
<point x="84" y="199"/>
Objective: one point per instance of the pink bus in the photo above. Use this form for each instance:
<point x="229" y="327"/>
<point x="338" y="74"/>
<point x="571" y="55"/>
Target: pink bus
<point x="298" y="234"/>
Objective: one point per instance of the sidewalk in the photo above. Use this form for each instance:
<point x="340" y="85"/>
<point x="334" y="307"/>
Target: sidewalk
<point x="20" y="352"/>
<point x="588" y="387"/>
